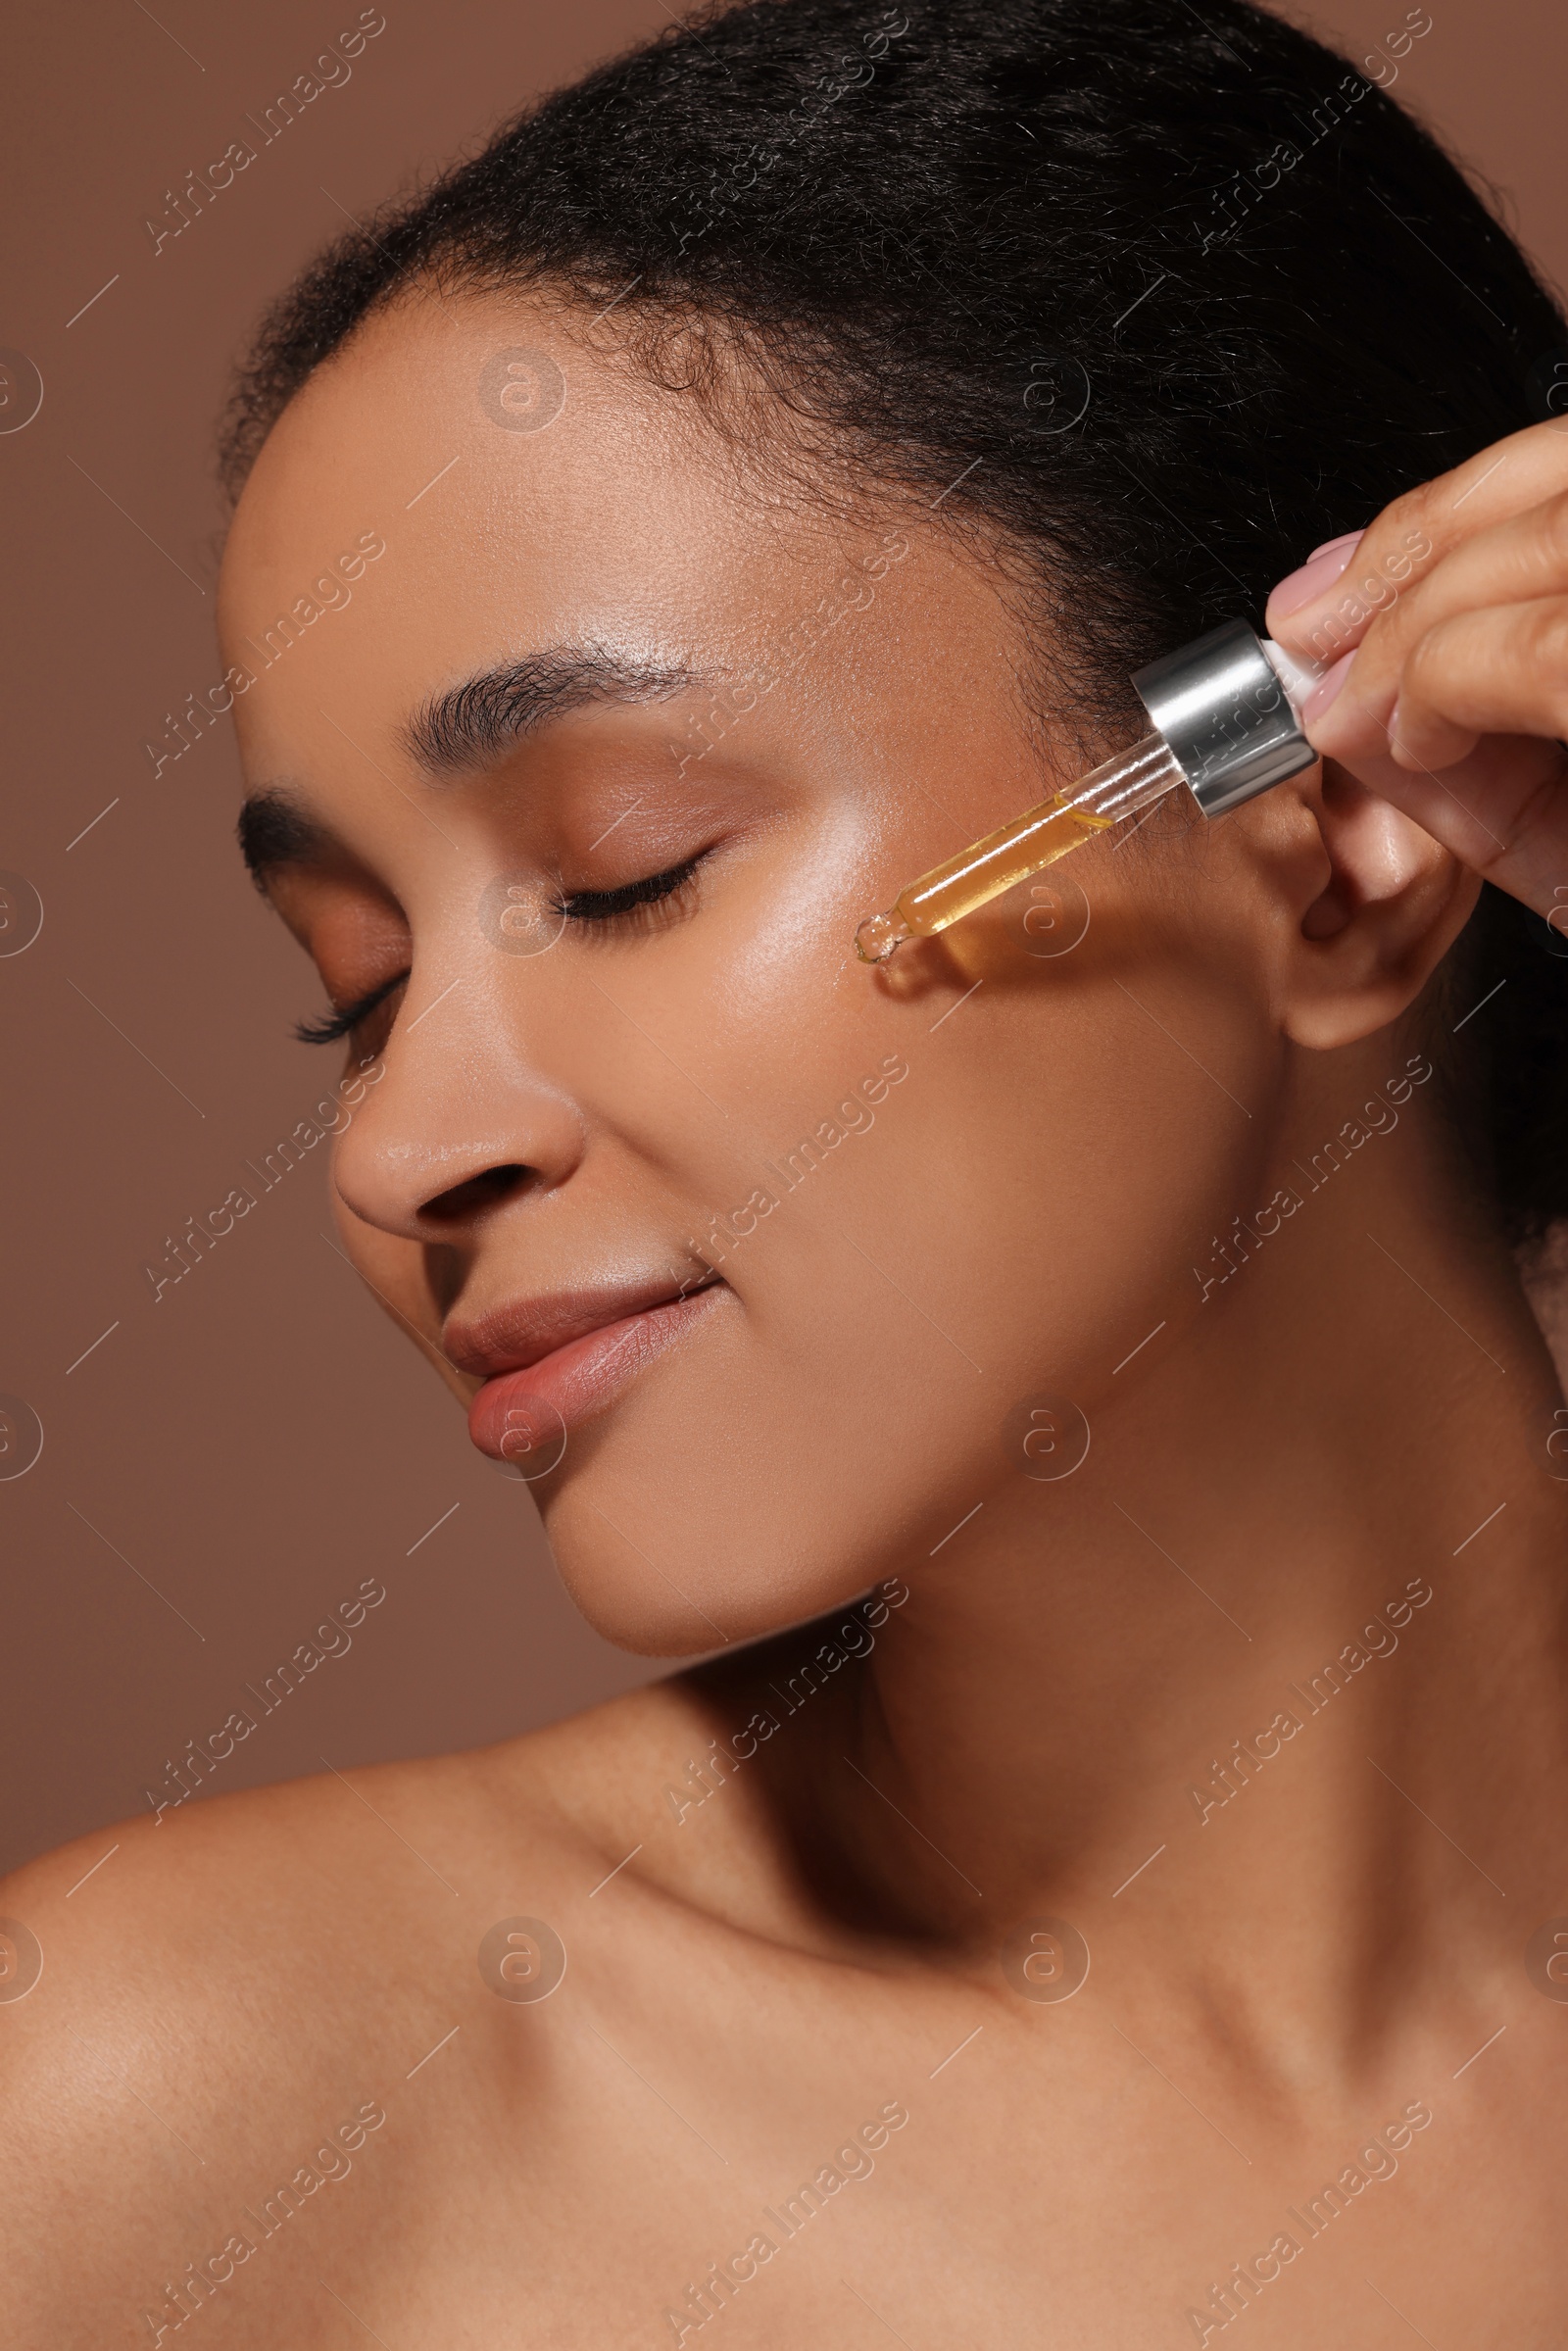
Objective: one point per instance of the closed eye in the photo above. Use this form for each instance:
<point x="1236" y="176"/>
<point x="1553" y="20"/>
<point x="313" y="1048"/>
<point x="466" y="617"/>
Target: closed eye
<point x="334" y="1026"/>
<point x="609" y="906"/>
<point x="631" y="899"/>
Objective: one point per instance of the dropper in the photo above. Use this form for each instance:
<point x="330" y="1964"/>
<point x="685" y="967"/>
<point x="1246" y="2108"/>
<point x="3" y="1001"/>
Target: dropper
<point x="1225" y="721"/>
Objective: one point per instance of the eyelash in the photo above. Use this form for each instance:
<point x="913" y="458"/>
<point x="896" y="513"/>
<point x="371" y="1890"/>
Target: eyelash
<point x="634" y="898"/>
<point x="633" y="901"/>
<point x="333" y="1027"/>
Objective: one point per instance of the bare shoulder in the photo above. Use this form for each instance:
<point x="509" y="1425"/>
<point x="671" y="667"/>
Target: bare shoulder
<point x="256" y="1921"/>
<point x="207" y="2020"/>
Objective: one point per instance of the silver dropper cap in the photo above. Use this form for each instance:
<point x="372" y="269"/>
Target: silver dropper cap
<point x="1228" y="710"/>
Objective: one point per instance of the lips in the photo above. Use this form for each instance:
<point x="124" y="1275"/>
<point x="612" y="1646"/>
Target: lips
<point x="549" y="1364"/>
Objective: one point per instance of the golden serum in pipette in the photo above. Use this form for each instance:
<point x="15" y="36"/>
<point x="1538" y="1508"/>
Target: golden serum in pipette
<point x="1225" y="724"/>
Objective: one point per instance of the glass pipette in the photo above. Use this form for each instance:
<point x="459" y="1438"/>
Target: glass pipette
<point x="1225" y="724"/>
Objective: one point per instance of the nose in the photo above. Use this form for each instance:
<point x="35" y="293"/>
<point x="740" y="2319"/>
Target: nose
<point x="455" y="1125"/>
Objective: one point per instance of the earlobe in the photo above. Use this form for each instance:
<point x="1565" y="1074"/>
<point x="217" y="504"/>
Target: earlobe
<point x="1371" y="937"/>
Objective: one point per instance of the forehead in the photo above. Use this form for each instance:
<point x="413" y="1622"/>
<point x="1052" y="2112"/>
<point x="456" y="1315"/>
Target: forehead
<point x="471" y="485"/>
<point x="509" y="467"/>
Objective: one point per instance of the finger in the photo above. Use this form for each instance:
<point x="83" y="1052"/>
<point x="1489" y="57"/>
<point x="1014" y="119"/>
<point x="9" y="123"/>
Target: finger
<point x="1412" y="535"/>
<point x="1516" y="563"/>
<point x="1503" y="810"/>
<point x="1501" y="669"/>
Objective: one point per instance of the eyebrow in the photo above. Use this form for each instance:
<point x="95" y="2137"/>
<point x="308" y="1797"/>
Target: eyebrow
<point x="472" y="725"/>
<point x="468" y="727"/>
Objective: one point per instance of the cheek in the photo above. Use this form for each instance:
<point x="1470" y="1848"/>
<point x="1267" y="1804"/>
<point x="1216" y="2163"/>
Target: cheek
<point x="1023" y="1211"/>
<point x="1045" y="1175"/>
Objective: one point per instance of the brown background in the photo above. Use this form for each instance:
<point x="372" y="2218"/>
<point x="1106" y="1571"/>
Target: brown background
<point x="230" y="1462"/>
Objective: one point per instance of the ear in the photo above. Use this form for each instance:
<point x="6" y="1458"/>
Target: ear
<point x="1369" y="906"/>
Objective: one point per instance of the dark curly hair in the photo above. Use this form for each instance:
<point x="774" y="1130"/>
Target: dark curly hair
<point x="1153" y="298"/>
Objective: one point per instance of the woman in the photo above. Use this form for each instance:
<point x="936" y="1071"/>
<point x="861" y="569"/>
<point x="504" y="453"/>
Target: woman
<point x="1107" y="1874"/>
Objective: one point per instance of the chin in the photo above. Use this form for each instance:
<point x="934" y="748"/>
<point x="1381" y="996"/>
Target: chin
<point x="699" y="1514"/>
<point x="666" y="1568"/>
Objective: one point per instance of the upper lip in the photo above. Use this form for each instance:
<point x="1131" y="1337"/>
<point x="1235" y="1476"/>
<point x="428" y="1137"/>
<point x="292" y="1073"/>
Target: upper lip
<point x="511" y="1336"/>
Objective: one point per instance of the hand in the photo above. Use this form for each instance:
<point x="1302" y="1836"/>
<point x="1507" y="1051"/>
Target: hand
<point x="1445" y="627"/>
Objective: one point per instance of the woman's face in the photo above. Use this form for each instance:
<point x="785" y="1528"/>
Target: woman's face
<point x="782" y="1251"/>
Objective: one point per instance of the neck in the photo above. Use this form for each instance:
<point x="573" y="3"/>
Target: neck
<point x="1251" y="1695"/>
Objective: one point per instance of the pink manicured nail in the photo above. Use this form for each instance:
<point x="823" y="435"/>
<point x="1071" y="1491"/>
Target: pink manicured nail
<point x="1329" y="546"/>
<point x="1299" y="588"/>
<point x="1327" y="687"/>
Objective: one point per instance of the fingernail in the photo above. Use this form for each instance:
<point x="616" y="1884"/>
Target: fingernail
<point x="1327" y="687"/>
<point x="1349" y="539"/>
<point x="1320" y="571"/>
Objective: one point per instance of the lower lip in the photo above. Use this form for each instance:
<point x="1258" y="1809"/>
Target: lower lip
<point x="575" y="1381"/>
